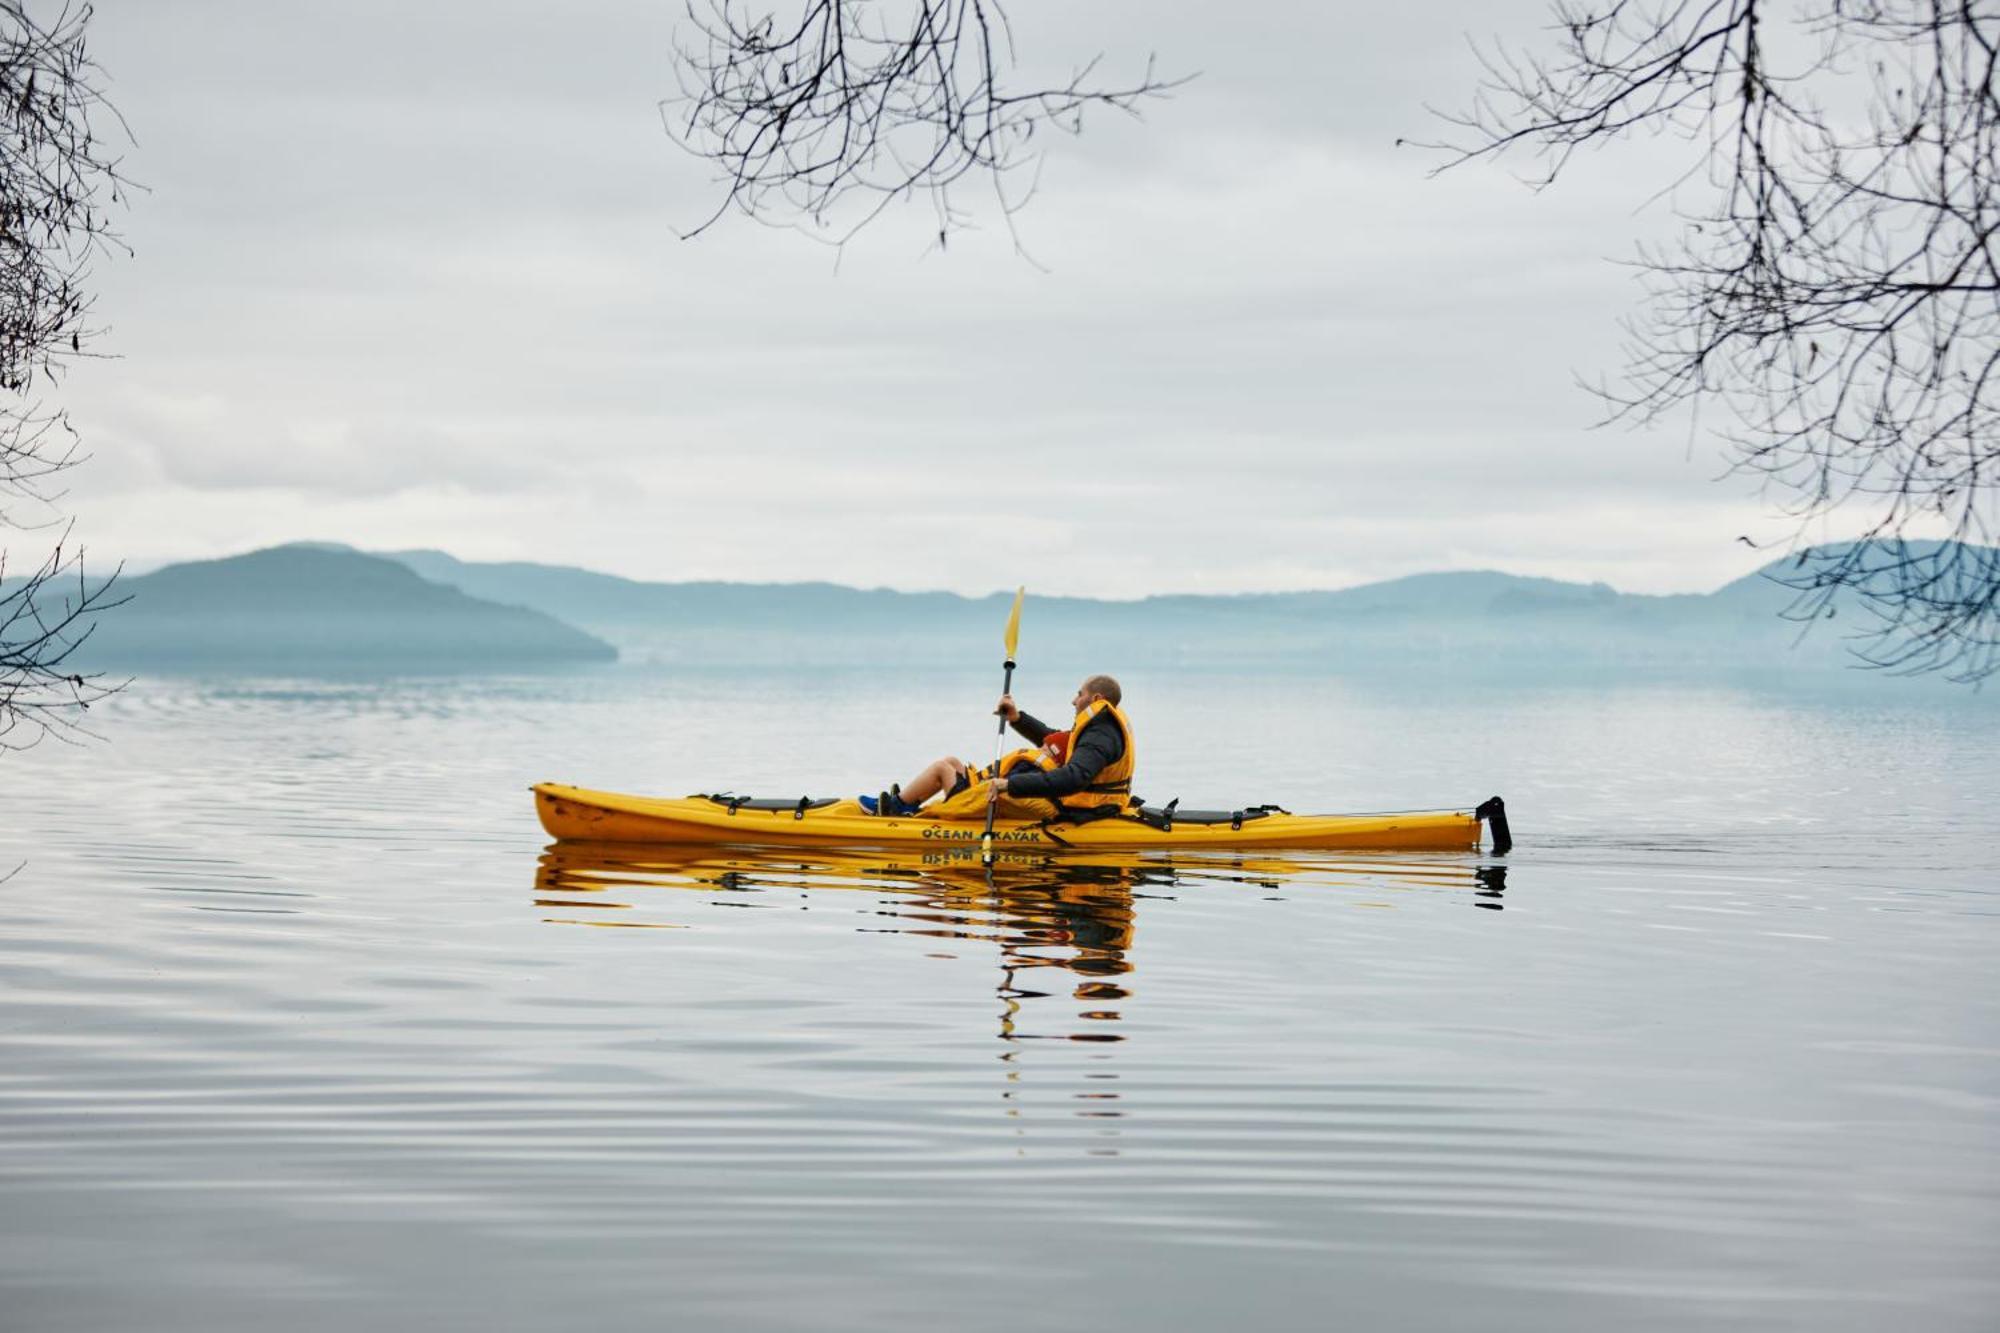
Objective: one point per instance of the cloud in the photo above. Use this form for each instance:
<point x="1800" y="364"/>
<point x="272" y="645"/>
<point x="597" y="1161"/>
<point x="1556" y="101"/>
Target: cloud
<point x="408" y="276"/>
<point x="206" y="441"/>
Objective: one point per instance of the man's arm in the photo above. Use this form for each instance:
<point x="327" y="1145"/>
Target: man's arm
<point x="1032" y="727"/>
<point x="1099" y="745"/>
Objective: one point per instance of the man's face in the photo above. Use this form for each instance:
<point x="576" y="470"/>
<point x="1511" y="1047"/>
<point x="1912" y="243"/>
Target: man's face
<point x="1083" y="698"/>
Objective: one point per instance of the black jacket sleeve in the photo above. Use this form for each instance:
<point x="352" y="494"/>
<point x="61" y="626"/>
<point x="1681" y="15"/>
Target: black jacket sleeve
<point x="1099" y="745"/>
<point x="1033" y="728"/>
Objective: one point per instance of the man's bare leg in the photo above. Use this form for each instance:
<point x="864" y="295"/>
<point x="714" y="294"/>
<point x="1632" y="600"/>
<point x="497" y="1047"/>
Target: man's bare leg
<point x="940" y="775"/>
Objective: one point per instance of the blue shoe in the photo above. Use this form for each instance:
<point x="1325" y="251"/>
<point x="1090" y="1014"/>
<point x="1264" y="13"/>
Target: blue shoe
<point x="889" y="803"/>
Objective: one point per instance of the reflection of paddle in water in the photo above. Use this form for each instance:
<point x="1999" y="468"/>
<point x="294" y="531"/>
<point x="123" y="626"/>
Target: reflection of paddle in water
<point x="1079" y="919"/>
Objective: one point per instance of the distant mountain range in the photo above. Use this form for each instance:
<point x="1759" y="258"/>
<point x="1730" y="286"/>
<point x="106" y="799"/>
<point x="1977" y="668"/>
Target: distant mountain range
<point x="1473" y="621"/>
<point x="303" y="608"/>
<point x="314" y="605"/>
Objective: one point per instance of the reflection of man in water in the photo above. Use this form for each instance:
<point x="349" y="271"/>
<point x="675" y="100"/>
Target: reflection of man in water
<point x="1074" y="918"/>
<point x="1079" y="920"/>
<point x="1091" y="775"/>
<point x="1089" y="912"/>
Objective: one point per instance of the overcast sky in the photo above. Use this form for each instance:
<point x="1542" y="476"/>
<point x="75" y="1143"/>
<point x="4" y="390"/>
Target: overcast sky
<point x="408" y="275"/>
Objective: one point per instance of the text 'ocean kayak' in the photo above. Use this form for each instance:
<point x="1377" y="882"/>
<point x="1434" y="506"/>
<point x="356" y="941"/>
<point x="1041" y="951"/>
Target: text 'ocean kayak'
<point x="574" y="813"/>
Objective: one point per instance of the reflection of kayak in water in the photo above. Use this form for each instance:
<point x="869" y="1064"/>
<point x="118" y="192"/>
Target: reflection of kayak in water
<point x="615" y="877"/>
<point x="577" y="813"/>
<point x="695" y="865"/>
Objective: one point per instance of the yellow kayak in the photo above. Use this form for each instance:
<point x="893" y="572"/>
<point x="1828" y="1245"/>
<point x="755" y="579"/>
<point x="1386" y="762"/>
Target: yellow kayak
<point x="577" y="813"/>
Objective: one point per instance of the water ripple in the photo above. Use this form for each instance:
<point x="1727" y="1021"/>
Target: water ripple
<point x="340" y="1041"/>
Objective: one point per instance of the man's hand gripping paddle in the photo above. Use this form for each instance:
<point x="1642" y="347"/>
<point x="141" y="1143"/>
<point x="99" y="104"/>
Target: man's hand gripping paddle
<point x="999" y="741"/>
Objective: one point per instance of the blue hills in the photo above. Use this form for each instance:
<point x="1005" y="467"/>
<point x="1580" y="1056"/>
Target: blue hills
<point x="318" y="606"/>
<point x="304" y="608"/>
<point x="1476" y="622"/>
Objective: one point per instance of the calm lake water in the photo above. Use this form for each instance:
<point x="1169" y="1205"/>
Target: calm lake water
<point x="303" y="1027"/>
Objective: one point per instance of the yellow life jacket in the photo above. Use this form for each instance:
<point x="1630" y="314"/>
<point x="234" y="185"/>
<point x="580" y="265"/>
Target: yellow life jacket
<point x="1112" y="786"/>
<point x="1014" y="759"/>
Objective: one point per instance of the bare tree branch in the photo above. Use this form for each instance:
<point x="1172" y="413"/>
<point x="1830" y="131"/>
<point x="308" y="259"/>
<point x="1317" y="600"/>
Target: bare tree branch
<point x="828" y="116"/>
<point x="1836" y="291"/>
<point x="57" y="179"/>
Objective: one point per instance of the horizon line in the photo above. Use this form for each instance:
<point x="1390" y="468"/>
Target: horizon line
<point x="149" y="568"/>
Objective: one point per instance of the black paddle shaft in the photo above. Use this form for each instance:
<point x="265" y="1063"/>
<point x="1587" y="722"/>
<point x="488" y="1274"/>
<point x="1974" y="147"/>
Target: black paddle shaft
<point x="1006" y="688"/>
<point x="986" y="840"/>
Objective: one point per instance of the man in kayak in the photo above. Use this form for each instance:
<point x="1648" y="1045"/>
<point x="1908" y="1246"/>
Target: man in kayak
<point x="1089" y="775"/>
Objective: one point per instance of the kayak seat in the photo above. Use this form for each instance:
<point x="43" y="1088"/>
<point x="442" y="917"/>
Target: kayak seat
<point x="1164" y="817"/>
<point x="798" y="805"/>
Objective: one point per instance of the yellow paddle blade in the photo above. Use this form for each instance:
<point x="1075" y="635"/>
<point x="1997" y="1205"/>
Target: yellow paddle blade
<point x="1014" y="623"/>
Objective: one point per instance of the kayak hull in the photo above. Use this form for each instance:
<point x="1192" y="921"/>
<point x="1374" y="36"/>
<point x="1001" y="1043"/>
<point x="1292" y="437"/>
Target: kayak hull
<point x="578" y="813"/>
